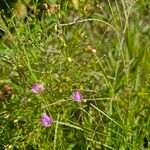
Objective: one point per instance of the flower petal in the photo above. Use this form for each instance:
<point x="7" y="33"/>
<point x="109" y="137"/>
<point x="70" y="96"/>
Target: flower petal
<point x="46" y="120"/>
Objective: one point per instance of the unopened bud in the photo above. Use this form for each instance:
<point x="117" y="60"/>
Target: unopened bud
<point x="69" y="59"/>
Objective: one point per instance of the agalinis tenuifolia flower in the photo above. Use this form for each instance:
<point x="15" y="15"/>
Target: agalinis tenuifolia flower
<point x="77" y="96"/>
<point x="37" y="88"/>
<point x="46" y="120"/>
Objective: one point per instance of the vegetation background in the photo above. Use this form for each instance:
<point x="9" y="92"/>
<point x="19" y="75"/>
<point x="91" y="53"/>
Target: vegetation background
<point x="98" y="47"/>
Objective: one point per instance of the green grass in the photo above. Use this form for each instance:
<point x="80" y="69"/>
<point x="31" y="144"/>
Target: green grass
<point x="101" y="51"/>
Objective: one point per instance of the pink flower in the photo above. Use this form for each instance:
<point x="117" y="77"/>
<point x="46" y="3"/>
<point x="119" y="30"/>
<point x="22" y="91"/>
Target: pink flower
<point x="77" y="96"/>
<point x="37" y="88"/>
<point x="46" y="120"/>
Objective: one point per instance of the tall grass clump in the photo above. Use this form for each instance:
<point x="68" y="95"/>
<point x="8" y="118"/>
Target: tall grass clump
<point x="75" y="75"/>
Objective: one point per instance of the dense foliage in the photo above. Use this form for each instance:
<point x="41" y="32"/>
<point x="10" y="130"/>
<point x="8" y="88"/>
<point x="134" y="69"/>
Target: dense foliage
<point x="82" y="66"/>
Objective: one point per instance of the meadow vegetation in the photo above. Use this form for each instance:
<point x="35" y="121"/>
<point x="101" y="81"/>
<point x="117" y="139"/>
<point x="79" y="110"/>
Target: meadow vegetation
<point x="99" y="49"/>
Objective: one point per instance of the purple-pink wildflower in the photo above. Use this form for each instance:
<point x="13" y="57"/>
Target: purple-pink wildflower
<point x="37" y="88"/>
<point x="46" y="120"/>
<point x="77" y="96"/>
